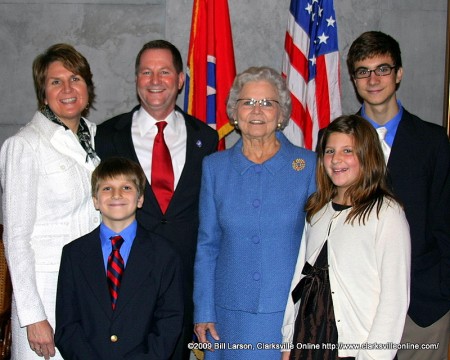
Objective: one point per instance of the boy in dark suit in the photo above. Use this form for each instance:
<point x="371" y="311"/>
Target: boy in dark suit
<point x="119" y="289"/>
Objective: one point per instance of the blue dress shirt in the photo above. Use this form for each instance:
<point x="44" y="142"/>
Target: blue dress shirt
<point x="391" y="126"/>
<point x="128" y="234"/>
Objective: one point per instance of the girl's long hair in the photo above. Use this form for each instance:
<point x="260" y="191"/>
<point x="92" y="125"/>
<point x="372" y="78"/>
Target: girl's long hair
<point x="370" y="189"/>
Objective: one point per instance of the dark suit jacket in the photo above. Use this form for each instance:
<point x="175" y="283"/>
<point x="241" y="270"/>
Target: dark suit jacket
<point x="149" y="313"/>
<point x="180" y="222"/>
<point x="419" y="175"/>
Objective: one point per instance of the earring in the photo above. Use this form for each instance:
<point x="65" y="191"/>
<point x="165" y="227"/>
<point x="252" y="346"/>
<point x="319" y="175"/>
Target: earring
<point x="236" y="125"/>
<point x="279" y="126"/>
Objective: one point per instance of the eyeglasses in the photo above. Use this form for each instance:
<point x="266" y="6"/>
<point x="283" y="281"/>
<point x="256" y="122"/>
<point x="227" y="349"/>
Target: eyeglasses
<point x="263" y="103"/>
<point x="382" y="70"/>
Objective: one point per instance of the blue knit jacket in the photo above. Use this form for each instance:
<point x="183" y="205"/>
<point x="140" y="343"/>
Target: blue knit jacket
<point x="251" y="223"/>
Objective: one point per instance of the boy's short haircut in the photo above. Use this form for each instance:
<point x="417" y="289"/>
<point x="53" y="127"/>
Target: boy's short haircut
<point x="114" y="167"/>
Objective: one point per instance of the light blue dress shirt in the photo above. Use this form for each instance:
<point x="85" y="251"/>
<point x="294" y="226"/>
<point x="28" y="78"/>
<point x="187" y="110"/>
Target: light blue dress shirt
<point x="391" y="126"/>
<point x="128" y="234"/>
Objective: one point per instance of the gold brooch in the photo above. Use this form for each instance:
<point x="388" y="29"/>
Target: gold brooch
<point x="298" y="164"/>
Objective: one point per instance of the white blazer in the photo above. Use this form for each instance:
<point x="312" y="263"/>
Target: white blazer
<point x="45" y="179"/>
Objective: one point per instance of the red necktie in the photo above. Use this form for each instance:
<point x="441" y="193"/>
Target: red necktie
<point x="162" y="171"/>
<point x="115" y="269"/>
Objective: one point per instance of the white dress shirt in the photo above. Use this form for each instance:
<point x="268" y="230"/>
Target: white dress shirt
<point x="143" y="132"/>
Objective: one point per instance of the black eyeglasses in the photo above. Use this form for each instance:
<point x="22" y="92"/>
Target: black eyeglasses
<point x="263" y="103"/>
<point x="382" y="70"/>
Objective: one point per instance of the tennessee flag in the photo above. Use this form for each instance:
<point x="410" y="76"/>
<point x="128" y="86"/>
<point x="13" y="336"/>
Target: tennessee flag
<point x="311" y="67"/>
<point x="210" y="65"/>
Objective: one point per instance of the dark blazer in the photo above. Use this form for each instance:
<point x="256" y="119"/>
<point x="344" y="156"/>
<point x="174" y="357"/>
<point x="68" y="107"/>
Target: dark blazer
<point x="180" y="222"/>
<point x="419" y="175"/>
<point x="149" y="314"/>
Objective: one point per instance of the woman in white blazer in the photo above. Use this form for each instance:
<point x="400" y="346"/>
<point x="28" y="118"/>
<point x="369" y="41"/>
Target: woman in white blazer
<point x="45" y="177"/>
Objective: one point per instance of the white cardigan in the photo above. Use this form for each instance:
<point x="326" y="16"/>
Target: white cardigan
<point x="369" y="268"/>
<point x="46" y="204"/>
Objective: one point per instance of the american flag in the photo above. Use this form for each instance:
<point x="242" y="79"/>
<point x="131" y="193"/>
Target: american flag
<point x="311" y="67"/>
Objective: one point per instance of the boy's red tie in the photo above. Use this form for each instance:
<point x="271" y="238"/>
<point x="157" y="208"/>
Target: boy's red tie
<point x="115" y="269"/>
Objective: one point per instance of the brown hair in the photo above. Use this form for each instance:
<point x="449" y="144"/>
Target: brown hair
<point x="370" y="187"/>
<point x="72" y="61"/>
<point x="370" y="44"/>
<point x="161" y="44"/>
<point x="115" y="167"/>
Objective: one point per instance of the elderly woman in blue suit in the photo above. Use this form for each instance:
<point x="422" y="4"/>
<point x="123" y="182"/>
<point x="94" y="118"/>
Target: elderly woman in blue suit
<point x="251" y="221"/>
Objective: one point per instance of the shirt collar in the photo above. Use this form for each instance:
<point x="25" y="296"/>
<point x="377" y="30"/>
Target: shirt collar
<point x="146" y="122"/>
<point x="391" y="125"/>
<point x="128" y="234"/>
<point x="242" y="164"/>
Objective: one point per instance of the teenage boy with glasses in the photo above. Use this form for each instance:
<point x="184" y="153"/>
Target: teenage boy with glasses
<point x="419" y="174"/>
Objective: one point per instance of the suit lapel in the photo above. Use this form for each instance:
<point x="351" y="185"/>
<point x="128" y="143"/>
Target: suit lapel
<point x="122" y="139"/>
<point x="193" y="142"/>
<point x="400" y="146"/>
<point x="137" y="270"/>
<point x="123" y="143"/>
<point x="94" y="272"/>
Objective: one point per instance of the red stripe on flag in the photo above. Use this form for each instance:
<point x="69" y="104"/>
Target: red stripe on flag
<point x="298" y="114"/>
<point x="322" y="94"/>
<point x="296" y="58"/>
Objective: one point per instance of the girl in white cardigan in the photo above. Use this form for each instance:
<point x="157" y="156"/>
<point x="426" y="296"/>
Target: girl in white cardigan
<point x="350" y="291"/>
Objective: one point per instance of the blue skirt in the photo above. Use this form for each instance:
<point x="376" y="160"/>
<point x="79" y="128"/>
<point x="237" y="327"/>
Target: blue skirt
<point x="246" y="336"/>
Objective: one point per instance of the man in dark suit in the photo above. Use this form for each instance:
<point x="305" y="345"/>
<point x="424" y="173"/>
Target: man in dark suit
<point x="120" y="287"/>
<point x="418" y="154"/>
<point x="159" y="78"/>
